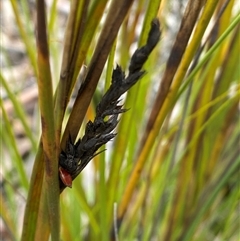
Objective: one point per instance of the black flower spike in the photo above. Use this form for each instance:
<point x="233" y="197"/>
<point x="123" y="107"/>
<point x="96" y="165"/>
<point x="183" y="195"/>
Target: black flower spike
<point x="97" y="133"/>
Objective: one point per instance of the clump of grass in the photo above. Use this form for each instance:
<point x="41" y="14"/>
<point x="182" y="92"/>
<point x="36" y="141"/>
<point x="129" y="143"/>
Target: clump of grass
<point x="171" y="173"/>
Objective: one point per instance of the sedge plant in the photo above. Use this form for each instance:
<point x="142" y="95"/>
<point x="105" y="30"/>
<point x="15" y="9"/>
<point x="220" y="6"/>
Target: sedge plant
<point x="164" y="155"/>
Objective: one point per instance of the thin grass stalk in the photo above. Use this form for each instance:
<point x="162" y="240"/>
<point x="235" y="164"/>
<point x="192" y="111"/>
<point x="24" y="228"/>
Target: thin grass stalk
<point x="73" y="36"/>
<point x="220" y="141"/>
<point x="229" y="65"/>
<point x="54" y="44"/>
<point x="19" y="111"/>
<point x="166" y="177"/>
<point x="52" y="16"/>
<point x="110" y="66"/>
<point x="31" y="213"/>
<point x="124" y="42"/>
<point x="102" y="198"/>
<point x="43" y="227"/>
<point x="17" y="160"/>
<point x="25" y="7"/>
<point x="79" y="25"/>
<point x="67" y="224"/>
<point x="27" y="41"/>
<point x="81" y="199"/>
<point x="233" y="204"/>
<point x="4" y="212"/>
<point x="93" y="20"/>
<point x="74" y="31"/>
<point x="48" y="125"/>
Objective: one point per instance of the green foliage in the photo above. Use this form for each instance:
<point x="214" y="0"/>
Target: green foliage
<point x="172" y="171"/>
